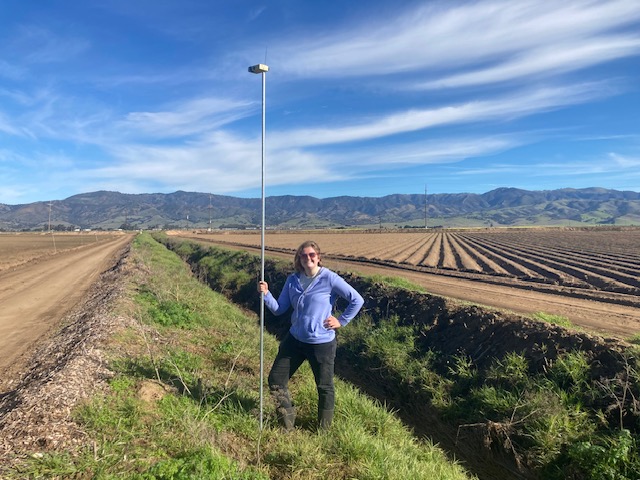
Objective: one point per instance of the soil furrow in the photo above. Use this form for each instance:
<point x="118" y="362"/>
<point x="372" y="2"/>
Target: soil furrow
<point x="492" y="265"/>
<point x="602" y="267"/>
<point x="464" y="261"/>
<point x="417" y="257"/>
<point x="409" y="250"/>
<point x="512" y="267"/>
<point x="587" y="275"/>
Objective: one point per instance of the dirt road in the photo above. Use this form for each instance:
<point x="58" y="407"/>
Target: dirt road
<point x="35" y="296"/>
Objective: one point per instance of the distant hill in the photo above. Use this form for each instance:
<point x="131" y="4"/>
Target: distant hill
<point x="500" y="207"/>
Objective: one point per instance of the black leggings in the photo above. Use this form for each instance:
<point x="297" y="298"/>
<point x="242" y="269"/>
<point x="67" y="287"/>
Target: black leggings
<point x="291" y="354"/>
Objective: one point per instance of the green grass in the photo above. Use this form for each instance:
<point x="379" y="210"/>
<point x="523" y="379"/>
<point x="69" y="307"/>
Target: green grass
<point x="559" y="320"/>
<point x="183" y="401"/>
<point x="541" y="415"/>
<point x="634" y="339"/>
<point x="397" y="282"/>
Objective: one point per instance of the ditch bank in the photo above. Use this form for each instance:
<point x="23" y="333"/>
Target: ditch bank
<point x="467" y="353"/>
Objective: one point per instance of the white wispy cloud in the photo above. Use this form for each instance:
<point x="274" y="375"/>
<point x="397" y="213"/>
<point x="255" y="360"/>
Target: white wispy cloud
<point x="611" y="163"/>
<point x="624" y="161"/>
<point x="550" y="61"/>
<point x="57" y="115"/>
<point x="512" y="106"/>
<point x="11" y="71"/>
<point x="7" y="127"/>
<point x="431" y="151"/>
<point x="256" y="12"/>
<point x="40" y="45"/>
<point x="440" y="37"/>
<point x="191" y="117"/>
<point x="219" y="162"/>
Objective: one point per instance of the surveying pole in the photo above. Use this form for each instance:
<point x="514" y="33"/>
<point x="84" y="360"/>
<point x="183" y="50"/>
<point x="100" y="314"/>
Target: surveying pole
<point x="262" y="69"/>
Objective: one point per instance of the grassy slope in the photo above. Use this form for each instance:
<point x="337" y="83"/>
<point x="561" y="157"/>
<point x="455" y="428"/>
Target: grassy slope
<point x="184" y="401"/>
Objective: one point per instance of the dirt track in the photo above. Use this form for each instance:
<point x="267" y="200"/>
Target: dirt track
<point x="36" y="295"/>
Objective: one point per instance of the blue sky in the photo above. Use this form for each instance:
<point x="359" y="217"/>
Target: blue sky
<point x="364" y="98"/>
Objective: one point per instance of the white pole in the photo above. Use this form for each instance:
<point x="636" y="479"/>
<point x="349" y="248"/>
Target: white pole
<point x="263" y="69"/>
<point x="264" y="85"/>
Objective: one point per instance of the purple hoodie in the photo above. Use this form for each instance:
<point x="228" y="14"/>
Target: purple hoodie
<point x="313" y="306"/>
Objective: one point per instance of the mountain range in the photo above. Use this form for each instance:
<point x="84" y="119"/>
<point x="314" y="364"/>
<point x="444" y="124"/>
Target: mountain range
<point x="500" y="207"/>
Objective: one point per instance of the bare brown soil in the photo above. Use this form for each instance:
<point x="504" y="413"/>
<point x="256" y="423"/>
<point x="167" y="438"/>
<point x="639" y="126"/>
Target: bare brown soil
<point x="51" y="343"/>
<point x="590" y="277"/>
<point x="19" y="248"/>
<point x="40" y="288"/>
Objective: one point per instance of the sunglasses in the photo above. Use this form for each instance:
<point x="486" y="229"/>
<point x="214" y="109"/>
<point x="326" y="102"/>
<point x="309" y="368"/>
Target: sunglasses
<point x="308" y="255"/>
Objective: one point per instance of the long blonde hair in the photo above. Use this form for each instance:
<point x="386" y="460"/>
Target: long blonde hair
<point x="296" y="259"/>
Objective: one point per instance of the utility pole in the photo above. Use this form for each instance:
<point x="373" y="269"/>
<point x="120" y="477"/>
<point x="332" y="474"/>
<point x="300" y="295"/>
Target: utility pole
<point x="50" y="204"/>
<point x="210" y="212"/>
<point x="425" y="206"/>
<point x="53" y="238"/>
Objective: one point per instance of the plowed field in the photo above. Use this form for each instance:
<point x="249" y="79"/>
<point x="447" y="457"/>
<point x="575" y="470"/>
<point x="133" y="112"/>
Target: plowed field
<point x="592" y="265"/>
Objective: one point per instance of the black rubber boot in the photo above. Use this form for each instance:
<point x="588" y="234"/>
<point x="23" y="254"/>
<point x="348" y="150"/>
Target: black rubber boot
<point x="325" y="417"/>
<point x="285" y="410"/>
<point x="287" y="417"/>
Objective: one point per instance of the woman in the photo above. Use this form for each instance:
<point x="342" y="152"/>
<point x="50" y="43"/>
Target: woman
<point x="311" y="291"/>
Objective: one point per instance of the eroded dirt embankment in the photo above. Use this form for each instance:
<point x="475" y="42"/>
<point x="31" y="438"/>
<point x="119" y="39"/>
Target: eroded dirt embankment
<point x="453" y="330"/>
<point x="481" y="335"/>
